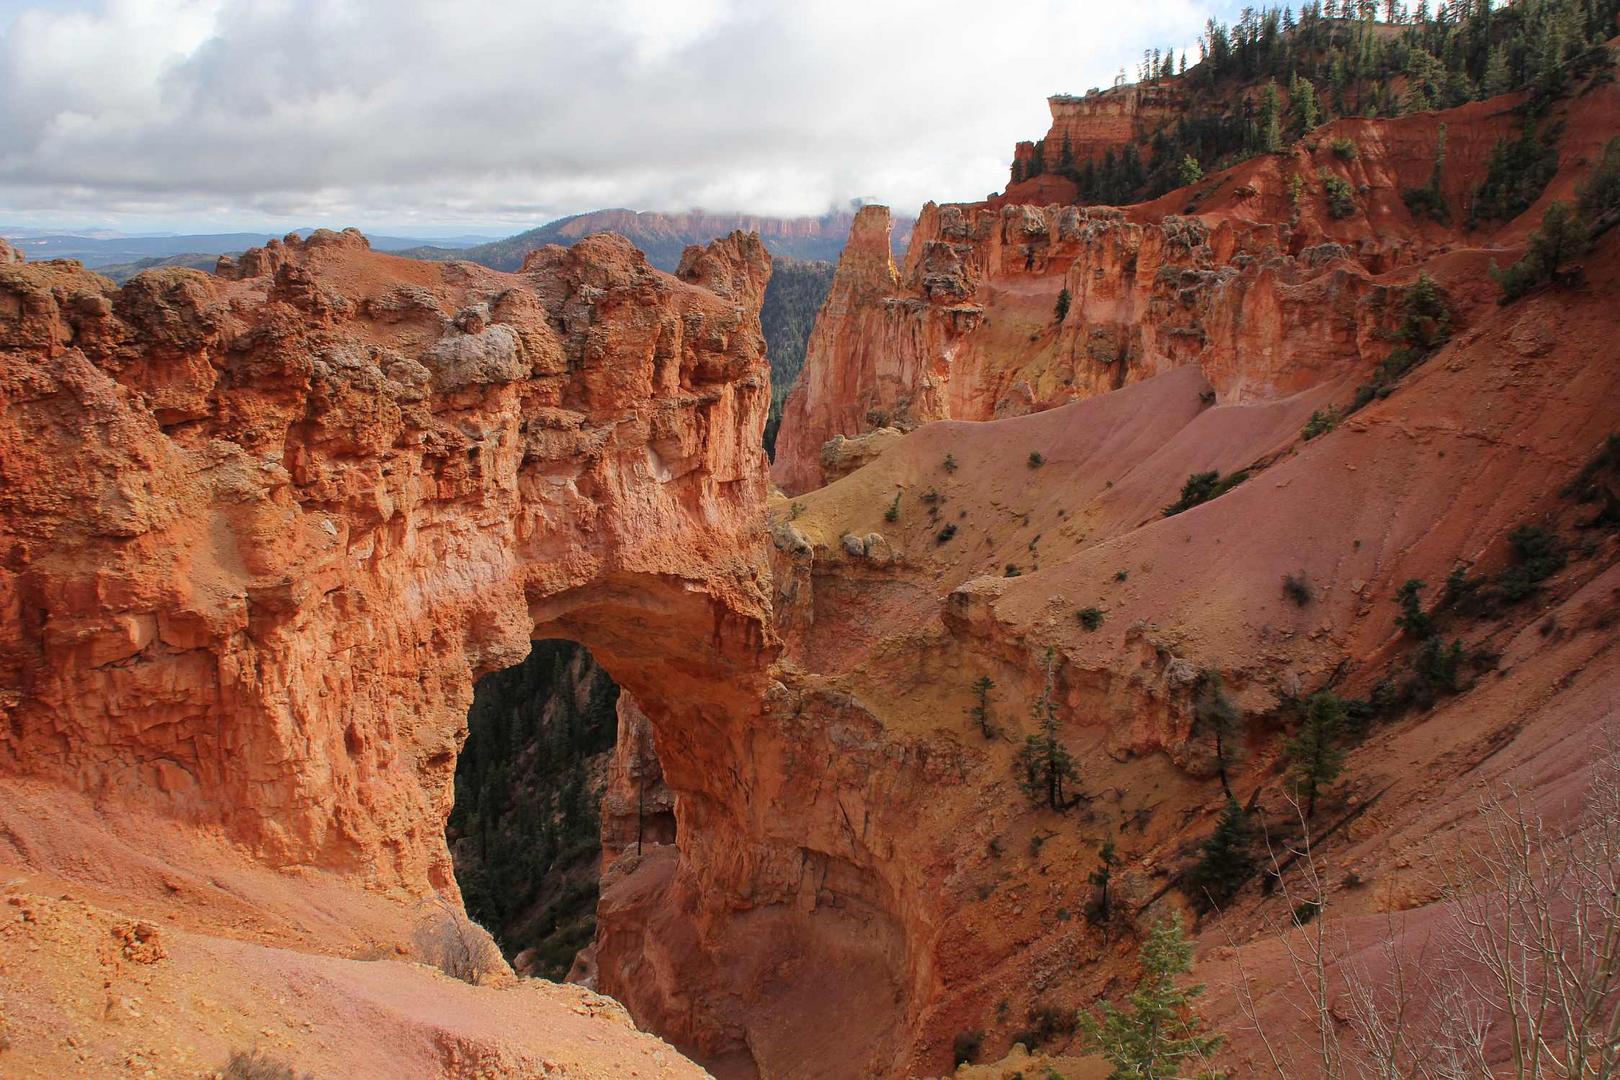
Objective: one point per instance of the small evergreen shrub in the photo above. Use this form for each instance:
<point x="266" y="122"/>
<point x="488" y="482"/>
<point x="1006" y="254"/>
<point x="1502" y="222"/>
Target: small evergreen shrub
<point x="1061" y="310"/>
<point x="1202" y="487"/>
<point x="950" y="463"/>
<point x="1321" y="422"/>
<point x="1090" y="617"/>
<point x="1560" y="239"/>
<point x="1297" y="587"/>
<point x="893" y="512"/>
<point x="1036" y="460"/>
<point x="944" y="535"/>
<point x="1341" y="202"/>
<point x="1536" y="557"/>
<point x="966" y="1046"/>
<point x="1344" y="149"/>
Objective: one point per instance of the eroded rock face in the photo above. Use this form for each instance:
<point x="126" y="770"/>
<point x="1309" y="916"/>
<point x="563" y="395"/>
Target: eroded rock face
<point x="260" y="532"/>
<point x="1265" y="295"/>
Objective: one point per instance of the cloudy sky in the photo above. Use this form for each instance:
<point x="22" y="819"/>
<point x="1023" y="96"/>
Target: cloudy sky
<point x="203" y="115"/>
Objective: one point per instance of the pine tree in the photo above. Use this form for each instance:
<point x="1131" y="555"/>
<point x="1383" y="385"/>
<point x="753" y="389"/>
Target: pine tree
<point x="980" y="710"/>
<point x="1315" y="761"/>
<point x="1158" y="1032"/>
<point x="1413" y="620"/>
<point x="1270" y="120"/>
<point x="1227" y="861"/>
<point x="1189" y="171"/>
<point x="1214" y="712"/>
<point x="1302" y="103"/>
<point x="1101" y="878"/>
<point x="1045" y="762"/>
<point x="1061" y="310"/>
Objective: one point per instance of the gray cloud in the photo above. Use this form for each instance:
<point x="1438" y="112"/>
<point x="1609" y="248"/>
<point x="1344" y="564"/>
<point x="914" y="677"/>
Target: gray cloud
<point x="365" y="111"/>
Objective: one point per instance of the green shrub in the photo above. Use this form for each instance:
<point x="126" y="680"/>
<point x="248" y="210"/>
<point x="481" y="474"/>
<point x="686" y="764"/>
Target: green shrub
<point x="1536" y="557"/>
<point x="1599" y="197"/>
<point x="1202" y="487"/>
<point x="1343" y="148"/>
<point x="950" y="463"/>
<point x="1090" y="617"/>
<point x="1012" y="570"/>
<point x="893" y="512"/>
<point x="1036" y="460"/>
<point x="1321" y="422"/>
<point x="1560" y="239"/>
<point x="1061" y="310"/>
<point x="1436" y="671"/>
<point x="1341" y="202"/>
<point x="1517" y="174"/>
<point x="944" y="535"/>
<point x="1413" y="620"/>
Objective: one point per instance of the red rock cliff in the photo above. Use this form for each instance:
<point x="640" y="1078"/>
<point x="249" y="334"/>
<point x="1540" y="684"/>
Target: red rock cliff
<point x="259" y="534"/>
<point x="1265" y="296"/>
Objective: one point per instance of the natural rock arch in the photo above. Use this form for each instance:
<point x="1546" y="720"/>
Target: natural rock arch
<point x="262" y="530"/>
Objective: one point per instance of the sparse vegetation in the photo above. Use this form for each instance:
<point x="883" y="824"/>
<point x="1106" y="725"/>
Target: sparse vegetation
<point x="1536" y="557"/>
<point x="1425" y="326"/>
<point x="1321" y="422"/>
<point x="1121" y="575"/>
<point x="1060" y="311"/>
<point x="1560" y="239"/>
<point x="1344" y="149"/>
<point x="1430" y="200"/>
<point x="1047" y="1023"/>
<point x="893" y="512"/>
<point x="1517" y="174"/>
<point x="944" y="535"/>
<point x="1090" y="617"/>
<point x="1045" y="765"/>
<point x="1297" y="587"/>
<point x="950" y="463"/>
<point x="453" y="943"/>
<point x="1204" y="486"/>
<point x="1036" y="459"/>
<point x="1215" y="713"/>
<point x="1101" y="909"/>
<point x="1012" y="570"/>
<point x="980" y="709"/>
<point x="966" y="1046"/>
<point x="258" y="1065"/>
<point x="1413" y="620"/>
<point x="1599" y="197"/>
<point x="1341" y="200"/>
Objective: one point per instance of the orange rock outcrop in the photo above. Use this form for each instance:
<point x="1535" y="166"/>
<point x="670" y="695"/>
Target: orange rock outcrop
<point x="1266" y="297"/>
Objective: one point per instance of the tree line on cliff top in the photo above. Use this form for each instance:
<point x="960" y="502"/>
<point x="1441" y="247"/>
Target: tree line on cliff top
<point x="1335" y="60"/>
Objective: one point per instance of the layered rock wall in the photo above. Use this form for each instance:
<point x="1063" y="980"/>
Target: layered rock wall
<point x="1247" y="276"/>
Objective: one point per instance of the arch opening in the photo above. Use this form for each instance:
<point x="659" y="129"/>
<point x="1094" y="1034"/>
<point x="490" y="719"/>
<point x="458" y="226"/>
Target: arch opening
<point x="557" y="778"/>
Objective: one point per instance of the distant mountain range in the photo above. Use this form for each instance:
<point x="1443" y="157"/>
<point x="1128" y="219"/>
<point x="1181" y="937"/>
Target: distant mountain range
<point x="663" y="236"/>
<point x="97" y="251"/>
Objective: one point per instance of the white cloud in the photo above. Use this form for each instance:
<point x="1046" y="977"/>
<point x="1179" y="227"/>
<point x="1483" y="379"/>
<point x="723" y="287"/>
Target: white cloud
<point x="484" y="112"/>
